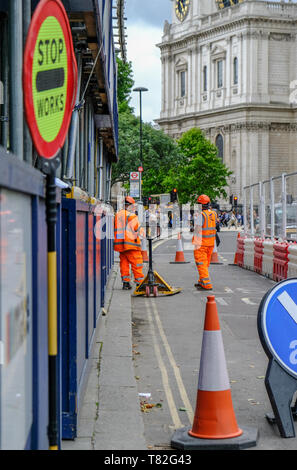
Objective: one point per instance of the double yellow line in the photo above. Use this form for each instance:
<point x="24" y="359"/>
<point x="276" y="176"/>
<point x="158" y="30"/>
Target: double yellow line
<point x="153" y="316"/>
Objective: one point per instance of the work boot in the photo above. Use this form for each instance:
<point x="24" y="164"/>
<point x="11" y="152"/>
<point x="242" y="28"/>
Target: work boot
<point x="200" y="287"/>
<point x="127" y="286"/>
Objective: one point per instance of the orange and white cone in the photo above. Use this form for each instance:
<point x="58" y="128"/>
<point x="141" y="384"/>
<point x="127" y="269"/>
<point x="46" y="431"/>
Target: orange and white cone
<point x="214" y="416"/>
<point x="214" y="256"/>
<point x="144" y="250"/>
<point x="179" y="255"/>
<point x="214" y="425"/>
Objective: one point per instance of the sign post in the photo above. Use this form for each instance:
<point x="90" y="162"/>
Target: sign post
<point x="49" y="84"/>
<point x="277" y="327"/>
<point x="135" y="184"/>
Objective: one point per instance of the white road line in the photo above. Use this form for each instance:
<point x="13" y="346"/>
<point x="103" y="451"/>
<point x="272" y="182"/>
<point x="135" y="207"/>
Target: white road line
<point x="228" y="290"/>
<point x="176" y="370"/>
<point x="221" y="301"/>
<point x="289" y="304"/>
<point x="247" y="301"/>
<point x="168" y="392"/>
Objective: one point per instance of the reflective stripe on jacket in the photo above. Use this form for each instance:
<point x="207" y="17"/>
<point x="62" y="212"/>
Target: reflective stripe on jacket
<point x="126" y="227"/>
<point x="207" y="234"/>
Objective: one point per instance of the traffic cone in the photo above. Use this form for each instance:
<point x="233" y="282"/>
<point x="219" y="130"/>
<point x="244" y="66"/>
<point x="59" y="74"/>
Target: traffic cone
<point x="214" y="415"/>
<point x="144" y="250"/>
<point x="179" y="256"/>
<point x="214" y="425"/>
<point x="214" y="256"/>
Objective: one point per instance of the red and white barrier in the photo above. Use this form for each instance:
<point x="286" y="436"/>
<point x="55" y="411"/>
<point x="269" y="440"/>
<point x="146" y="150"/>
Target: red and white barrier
<point x="280" y="261"/>
<point x="292" y="260"/>
<point x="258" y="255"/>
<point x="272" y="258"/>
<point x="248" y="259"/>
<point x="267" y="260"/>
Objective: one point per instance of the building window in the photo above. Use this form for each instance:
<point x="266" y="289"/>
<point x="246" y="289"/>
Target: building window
<point x="235" y="71"/>
<point x="205" y="78"/>
<point x="219" y="73"/>
<point x="182" y="84"/>
<point x="220" y="146"/>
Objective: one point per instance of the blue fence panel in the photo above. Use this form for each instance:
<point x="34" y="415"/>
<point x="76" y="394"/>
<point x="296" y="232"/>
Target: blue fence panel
<point x="103" y="259"/>
<point x="97" y="279"/>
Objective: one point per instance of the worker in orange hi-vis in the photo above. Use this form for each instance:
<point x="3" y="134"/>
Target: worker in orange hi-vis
<point x="204" y="241"/>
<point x="127" y="243"/>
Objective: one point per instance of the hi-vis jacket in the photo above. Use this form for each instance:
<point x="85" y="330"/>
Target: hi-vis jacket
<point x="126" y="231"/>
<point x="207" y="235"/>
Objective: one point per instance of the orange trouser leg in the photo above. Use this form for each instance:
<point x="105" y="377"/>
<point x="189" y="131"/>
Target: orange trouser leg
<point x="202" y="259"/>
<point x="136" y="261"/>
<point x="124" y="266"/>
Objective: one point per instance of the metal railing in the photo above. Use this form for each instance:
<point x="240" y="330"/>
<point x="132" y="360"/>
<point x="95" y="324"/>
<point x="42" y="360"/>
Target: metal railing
<point x="270" y="207"/>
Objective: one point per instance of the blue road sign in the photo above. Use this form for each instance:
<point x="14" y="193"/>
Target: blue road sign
<point x="277" y="324"/>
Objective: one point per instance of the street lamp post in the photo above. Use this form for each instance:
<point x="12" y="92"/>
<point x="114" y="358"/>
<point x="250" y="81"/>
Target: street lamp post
<point x="140" y="90"/>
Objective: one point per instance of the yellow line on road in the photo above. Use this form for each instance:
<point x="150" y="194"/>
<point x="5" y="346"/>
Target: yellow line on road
<point x="176" y="370"/>
<point x="168" y="392"/>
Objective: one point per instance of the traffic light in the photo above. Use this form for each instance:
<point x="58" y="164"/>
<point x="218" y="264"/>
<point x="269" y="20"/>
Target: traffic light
<point x="231" y="199"/>
<point x="235" y="201"/>
<point x="173" y="195"/>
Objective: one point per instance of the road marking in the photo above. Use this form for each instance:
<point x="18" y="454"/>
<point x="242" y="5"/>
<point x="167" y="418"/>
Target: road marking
<point x="247" y="301"/>
<point x="168" y="392"/>
<point x="221" y="301"/>
<point x="228" y="290"/>
<point x="289" y="304"/>
<point x="176" y="370"/>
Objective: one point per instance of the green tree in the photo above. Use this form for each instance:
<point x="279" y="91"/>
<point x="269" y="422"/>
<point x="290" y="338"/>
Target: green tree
<point x="159" y="154"/>
<point x="125" y="83"/>
<point x="200" y="171"/>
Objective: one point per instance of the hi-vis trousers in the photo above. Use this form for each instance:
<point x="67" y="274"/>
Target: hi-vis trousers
<point x="134" y="258"/>
<point x="202" y="259"/>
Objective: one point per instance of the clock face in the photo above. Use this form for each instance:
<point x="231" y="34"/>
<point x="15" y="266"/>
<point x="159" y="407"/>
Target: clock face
<point x="182" y="8"/>
<point x="227" y="3"/>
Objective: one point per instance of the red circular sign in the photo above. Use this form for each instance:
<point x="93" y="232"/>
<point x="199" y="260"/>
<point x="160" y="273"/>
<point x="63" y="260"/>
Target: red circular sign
<point x="49" y="77"/>
<point x="140" y="169"/>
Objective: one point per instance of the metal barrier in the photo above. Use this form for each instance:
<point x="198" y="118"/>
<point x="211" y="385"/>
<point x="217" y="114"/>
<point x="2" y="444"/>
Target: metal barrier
<point x="270" y="208"/>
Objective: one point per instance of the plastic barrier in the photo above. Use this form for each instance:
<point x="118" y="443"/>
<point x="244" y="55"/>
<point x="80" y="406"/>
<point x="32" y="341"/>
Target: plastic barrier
<point x="280" y="261"/>
<point x="258" y="255"/>
<point x="292" y="260"/>
<point x="248" y="260"/>
<point x="240" y="251"/>
<point x="267" y="259"/>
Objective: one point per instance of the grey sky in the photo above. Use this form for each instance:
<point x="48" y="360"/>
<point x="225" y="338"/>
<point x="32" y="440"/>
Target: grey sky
<point x="145" y="22"/>
<point x="154" y="12"/>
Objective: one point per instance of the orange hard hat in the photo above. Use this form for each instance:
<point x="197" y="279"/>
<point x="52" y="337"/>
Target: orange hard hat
<point x="129" y="200"/>
<point x="203" y="199"/>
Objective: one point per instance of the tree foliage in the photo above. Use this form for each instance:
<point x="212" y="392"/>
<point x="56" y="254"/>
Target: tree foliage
<point x="159" y="154"/>
<point x="200" y="172"/>
<point x="125" y="84"/>
<point x="190" y="165"/>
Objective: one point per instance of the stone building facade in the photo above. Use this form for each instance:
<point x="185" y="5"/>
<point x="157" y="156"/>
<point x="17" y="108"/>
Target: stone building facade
<point x="230" y="68"/>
